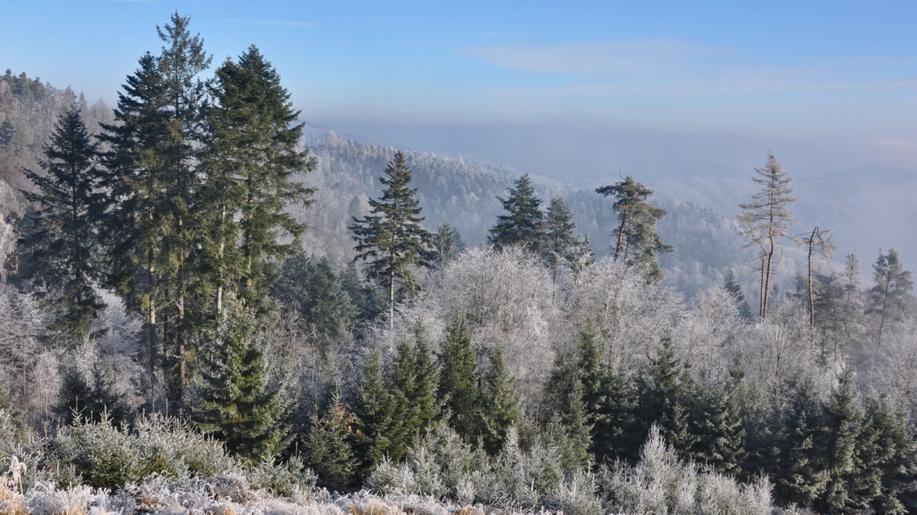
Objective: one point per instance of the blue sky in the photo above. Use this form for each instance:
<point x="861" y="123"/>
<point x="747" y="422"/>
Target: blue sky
<point x="842" y="71"/>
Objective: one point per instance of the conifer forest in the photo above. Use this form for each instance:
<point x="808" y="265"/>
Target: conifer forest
<point x="209" y="305"/>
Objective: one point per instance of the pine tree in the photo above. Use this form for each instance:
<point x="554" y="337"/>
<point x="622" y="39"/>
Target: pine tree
<point x="765" y="220"/>
<point x="60" y="251"/>
<point x="458" y="380"/>
<point x="499" y="407"/>
<point x="251" y="157"/>
<point x="636" y="241"/>
<point x="522" y="222"/>
<point x="329" y="447"/>
<point x="561" y="246"/>
<point x="731" y="285"/>
<point x="888" y="299"/>
<point x="235" y="402"/>
<point x="392" y="238"/>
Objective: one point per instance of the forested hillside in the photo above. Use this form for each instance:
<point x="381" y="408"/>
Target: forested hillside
<point x="200" y="314"/>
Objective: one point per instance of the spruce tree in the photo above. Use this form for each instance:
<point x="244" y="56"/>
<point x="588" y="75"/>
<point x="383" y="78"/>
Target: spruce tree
<point x="391" y="238"/>
<point x="329" y="447"/>
<point x="731" y="285"/>
<point x="579" y="426"/>
<point x="720" y="430"/>
<point x="561" y="246"/>
<point x="447" y="243"/>
<point x="59" y="252"/>
<point x="663" y="399"/>
<point x="375" y="414"/>
<point x="235" y="402"/>
<point x="843" y="430"/>
<point x="132" y="224"/>
<point x="637" y="242"/>
<point x="180" y="64"/>
<point x="888" y="457"/>
<point x="889" y="297"/>
<point x="458" y="380"/>
<point x="499" y="407"/>
<point x="618" y="432"/>
<point x="522" y="222"/>
<point x="799" y="475"/>
<point x="91" y="399"/>
<point x="251" y="158"/>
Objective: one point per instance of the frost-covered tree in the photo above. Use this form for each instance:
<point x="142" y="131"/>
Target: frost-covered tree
<point x="561" y="248"/>
<point x="888" y="299"/>
<point x="391" y="238"/>
<point x="447" y="243"/>
<point x="765" y="219"/>
<point x="735" y="289"/>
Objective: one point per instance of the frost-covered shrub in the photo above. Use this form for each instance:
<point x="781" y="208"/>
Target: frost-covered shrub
<point x="285" y="479"/>
<point x="660" y="483"/>
<point x="575" y="495"/>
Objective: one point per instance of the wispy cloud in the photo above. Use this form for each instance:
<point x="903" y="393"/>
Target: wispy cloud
<point x="285" y="24"/>
<point x="675" y="68"/>
<point x="607" y="57"/>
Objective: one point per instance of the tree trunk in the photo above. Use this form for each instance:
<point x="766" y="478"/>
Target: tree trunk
<point x="761" y="288"/>
<point x="811" y="294"/>
<point x="391" y="304"/>
<point x="620" y="243"/>
<point x="767" y="277"/>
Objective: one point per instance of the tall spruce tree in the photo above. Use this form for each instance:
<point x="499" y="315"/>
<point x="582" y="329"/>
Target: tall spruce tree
<point x="765" y="220"/>
<point x="522" y="222"/>
<point x="888" y="299"/>
<point x="391" y="238"/>
<point x="251" y="157"/>
<point x="637" y="242"/>
<point x="235" y="402"/>
<point x="68" y="204"/>
<point x="458" y="379"/>
<point x="180" y="63"/>
<point x="134" y="181"/>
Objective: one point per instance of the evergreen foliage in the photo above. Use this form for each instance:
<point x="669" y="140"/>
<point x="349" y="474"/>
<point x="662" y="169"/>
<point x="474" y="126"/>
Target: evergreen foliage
<point x="731" y="285"/>
<point x="391" y="238"/>
<point x="522" y="222"/>
<point x="92" y="399"/>
<point x="499" y="407"/>
<point x="330" y="447"/>
<point x="59" y="251"/>
<point x="236" y="404"/>
<point x="458" y="380"/>
<point x="636" y="241"/>
<point x="888" y="298"/>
